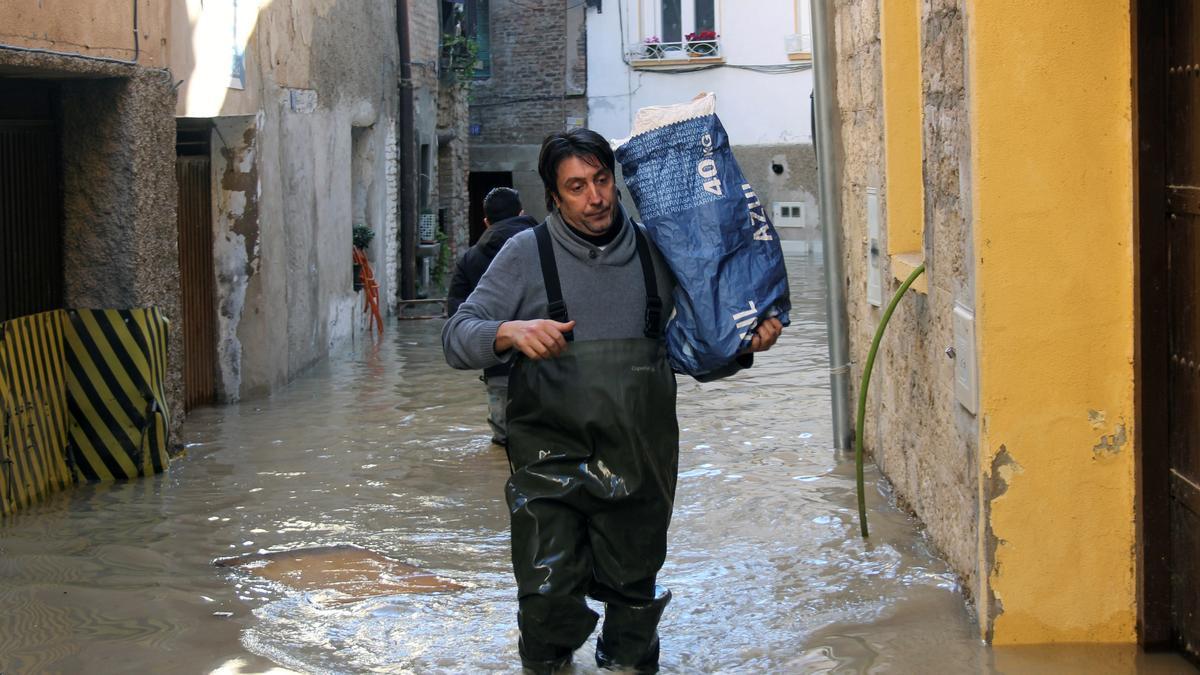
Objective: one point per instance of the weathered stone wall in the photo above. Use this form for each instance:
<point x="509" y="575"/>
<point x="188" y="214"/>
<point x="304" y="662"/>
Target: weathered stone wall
<point x="424" y="34"/>
<point x="922" y="439"/>
<point x="117" y="135"/>
<point x="297" y="161"/>
<point x="454" y="151"/>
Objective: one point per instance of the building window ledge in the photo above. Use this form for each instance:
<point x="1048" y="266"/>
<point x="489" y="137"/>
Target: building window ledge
<point x="903" y="265"/>
<point x="668" y="64"/>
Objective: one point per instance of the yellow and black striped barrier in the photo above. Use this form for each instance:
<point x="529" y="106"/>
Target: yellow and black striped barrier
<point x="33" y="410"/>
<point x="82" y="398"/>
<point x="116" y="364"/>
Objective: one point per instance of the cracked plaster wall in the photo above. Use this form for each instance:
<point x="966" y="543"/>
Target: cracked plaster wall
<point x="291" y="175"/>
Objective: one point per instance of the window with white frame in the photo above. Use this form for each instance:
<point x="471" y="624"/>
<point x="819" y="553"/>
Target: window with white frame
<point x="799" y="44"/>
<point x="679" y="28"/>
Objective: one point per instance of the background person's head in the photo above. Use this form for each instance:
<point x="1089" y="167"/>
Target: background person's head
<point x="578" y="171"/>
<point x="500" y="204"/>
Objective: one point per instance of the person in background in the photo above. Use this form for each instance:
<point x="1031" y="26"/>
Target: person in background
<point x="578" y="305"/>
<point x="503" y="217"/>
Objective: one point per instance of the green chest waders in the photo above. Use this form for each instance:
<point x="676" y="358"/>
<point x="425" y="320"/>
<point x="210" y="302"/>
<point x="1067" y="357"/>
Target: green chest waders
<point x="594" y="450"/>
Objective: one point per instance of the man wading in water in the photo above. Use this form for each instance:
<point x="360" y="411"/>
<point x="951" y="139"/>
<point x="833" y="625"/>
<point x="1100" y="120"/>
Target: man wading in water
<point x="578" y="305"/>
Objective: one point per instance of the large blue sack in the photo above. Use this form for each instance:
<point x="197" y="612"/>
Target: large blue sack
<point x="712" y="230"/>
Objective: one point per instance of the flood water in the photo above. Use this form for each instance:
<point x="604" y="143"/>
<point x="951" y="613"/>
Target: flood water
<point x="386" y="448"/>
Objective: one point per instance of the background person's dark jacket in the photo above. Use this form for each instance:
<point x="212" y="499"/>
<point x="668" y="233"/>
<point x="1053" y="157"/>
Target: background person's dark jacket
<point x="471" y="266"/>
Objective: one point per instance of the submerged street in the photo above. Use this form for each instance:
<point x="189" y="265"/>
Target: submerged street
<point x="386" y="448"/>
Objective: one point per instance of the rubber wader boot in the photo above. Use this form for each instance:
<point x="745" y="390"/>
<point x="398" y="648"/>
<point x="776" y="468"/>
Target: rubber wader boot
<point x="629" y="639"/>
<point x="533" y="666"/>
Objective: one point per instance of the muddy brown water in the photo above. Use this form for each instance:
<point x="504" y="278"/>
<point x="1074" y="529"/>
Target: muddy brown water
<point x="385" y="448"/>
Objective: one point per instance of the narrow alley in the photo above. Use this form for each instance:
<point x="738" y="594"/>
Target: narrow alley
<point x="386" y="448"/>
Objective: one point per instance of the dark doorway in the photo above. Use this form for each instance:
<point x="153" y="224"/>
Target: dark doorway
<point x="31" y="230"/>
<point x="193" y="173"/>
<point x="1168" y="142"/>
<point x="478" y="185"/>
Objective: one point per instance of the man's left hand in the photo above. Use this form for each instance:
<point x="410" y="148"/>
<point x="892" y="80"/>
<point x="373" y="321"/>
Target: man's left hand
<point x="765" y="335"/>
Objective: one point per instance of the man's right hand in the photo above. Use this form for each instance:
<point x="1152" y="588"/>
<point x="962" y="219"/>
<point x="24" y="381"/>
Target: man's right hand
<point x="538" y="339"/>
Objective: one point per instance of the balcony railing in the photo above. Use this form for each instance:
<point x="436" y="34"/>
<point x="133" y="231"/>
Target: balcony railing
<point x="671" y="51"/>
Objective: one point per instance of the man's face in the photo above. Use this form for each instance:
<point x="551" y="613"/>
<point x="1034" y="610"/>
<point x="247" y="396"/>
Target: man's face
<point x="586" y="194"/>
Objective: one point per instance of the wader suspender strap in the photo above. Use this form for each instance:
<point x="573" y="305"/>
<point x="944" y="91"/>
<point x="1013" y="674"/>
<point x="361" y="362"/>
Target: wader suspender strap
<point x="653" y="302"/>
<point x="558" y="310"/>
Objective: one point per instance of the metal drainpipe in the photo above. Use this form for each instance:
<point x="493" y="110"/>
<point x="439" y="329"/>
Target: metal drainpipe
<point x="406" y="200"/>
<point x="828" y="168"/>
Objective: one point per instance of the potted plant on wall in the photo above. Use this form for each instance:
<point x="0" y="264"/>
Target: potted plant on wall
<point x="702" y="43"/>
<point x="652" y="48"/>
<point x="362" y="236"/>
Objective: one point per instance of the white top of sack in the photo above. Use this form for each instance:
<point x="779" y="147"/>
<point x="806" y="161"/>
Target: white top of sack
<point x="658" y="116"/>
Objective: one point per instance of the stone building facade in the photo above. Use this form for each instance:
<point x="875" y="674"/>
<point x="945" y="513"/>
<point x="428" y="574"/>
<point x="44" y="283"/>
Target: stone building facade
<point x="534" y="82"/>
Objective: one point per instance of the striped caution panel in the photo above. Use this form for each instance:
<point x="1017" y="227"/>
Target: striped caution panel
<point x="116" y="368"/>
<point x="33" y="410"/>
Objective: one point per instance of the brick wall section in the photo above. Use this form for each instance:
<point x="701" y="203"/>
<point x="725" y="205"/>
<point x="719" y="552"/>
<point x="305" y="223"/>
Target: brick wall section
<point x="529" y="54"/>
<point x="453" y="165"/>
<point x="922" y="439"/>
<point x="424" y="35"/>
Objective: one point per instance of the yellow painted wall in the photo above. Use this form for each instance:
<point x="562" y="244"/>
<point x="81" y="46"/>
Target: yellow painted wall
<point x="1050" y="100"/>
<point x="900" y="43"/>
<point x="102" y="28"/>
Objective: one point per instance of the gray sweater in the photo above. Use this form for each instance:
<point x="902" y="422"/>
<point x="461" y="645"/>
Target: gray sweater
<point x="602" y="289"/>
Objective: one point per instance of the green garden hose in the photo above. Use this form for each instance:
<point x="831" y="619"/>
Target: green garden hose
<point x="862" y="398"/>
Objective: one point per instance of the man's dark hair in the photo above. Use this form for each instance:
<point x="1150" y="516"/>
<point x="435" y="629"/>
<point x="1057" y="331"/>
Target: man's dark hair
<point x="585" y="144"/>
<point x="500" y="204"/>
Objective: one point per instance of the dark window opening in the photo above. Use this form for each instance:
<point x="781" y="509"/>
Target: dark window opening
<point x="672" y="21"/>
<point x="705" y="16"/>
<point x="478" y="25"/>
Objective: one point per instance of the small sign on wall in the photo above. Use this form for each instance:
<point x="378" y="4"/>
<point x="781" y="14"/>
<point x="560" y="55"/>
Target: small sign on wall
<point x="302" y="101"/>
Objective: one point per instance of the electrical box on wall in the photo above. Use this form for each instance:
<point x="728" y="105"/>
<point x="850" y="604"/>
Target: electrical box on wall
<point x="788" y="214"/>
<point x="966" y="388"/>
<point x="874" y="285"/>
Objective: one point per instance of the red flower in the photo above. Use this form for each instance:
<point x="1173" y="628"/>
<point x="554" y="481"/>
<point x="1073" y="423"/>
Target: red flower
<point x="702" y="36"/>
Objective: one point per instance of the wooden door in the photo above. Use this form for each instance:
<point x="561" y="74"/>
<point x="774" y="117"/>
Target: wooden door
<point x="1183" y="307"/>
<point x="197" y="285"/>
